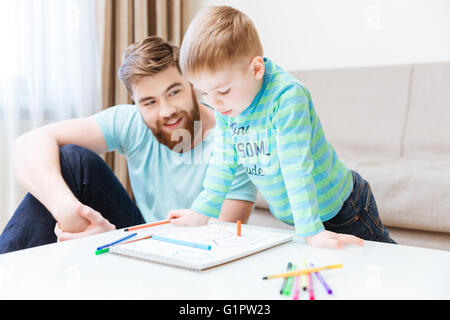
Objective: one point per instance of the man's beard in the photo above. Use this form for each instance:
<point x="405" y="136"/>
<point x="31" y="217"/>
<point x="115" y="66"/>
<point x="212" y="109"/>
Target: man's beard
<point x="182" y="137"/>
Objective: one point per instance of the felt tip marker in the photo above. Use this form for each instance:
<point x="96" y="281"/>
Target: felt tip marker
<point x="117" y="241"/>
<point x="182" y="242"/>
<point x="321" y="280"/>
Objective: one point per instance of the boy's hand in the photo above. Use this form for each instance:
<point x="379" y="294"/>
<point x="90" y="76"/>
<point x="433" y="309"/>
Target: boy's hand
<point x="97" y="224"/>
<point x="328" y="239"/>
<point x="187" y="217"/>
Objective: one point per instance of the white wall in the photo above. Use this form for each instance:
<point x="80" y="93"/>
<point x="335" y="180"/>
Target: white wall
<point x="306" y="34"/>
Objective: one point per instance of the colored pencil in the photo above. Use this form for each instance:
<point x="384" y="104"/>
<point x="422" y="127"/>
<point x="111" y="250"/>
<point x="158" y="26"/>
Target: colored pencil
<point x="238" y="224"/>
<point x="302" y="271"/>
<point x="148" y="225"/>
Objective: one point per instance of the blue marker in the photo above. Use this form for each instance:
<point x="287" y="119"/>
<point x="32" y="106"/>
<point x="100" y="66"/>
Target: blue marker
<point x="117" y="241"/>
<point x="184" y="243"/>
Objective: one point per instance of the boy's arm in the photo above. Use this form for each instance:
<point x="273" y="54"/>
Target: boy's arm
<point x="294" y="133"/>
<point x="220" y="173"/>
<point x="218" y="180"/>
<point x="240" y="199"/>
<point x="233" y="210"/>
<point x="293" y="126"/>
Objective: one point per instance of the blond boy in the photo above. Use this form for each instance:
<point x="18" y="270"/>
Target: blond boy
<point x="267" y="122"/>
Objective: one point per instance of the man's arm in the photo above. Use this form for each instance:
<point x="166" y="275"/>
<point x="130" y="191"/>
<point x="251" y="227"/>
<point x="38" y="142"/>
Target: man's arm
<point x="36" y="164"/>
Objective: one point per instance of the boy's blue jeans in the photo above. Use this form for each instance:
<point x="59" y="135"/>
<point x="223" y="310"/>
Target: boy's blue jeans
<point x="359" y="214"/>
<point x="91" y="181"/>
<point x="95" y="185"/>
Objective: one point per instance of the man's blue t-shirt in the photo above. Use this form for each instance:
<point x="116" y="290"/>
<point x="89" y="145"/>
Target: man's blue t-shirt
<point x="162" y="179"/>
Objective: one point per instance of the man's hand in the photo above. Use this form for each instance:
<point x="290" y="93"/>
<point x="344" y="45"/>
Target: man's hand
<point x="97" y="224"/>
<point x="187" y="217"/>
<point x="328" y="239"/>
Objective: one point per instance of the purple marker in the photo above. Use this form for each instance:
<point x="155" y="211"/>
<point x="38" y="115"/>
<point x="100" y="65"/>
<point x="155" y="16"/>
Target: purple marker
<point x="322" y="281"/>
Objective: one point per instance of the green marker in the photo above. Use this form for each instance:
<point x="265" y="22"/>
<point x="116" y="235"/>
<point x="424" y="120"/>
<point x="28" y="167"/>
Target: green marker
<point x="289" y="282"/>
<point x="104" y="250"/>
<point x="283" y="285"/>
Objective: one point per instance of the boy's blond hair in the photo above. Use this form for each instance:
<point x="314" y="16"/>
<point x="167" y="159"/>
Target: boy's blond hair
<point x="216" y="36"/>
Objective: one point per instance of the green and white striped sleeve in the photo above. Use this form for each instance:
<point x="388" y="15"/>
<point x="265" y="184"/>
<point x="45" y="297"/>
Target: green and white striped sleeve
<point x="220" y="173"/>
<point x="293" y="125"/>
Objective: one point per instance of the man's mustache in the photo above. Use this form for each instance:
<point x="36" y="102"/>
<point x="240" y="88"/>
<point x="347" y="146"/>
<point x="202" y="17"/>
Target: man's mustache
<point x="164" y="121"/>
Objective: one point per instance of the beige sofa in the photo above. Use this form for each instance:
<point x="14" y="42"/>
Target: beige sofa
<point x="392" y="125"/>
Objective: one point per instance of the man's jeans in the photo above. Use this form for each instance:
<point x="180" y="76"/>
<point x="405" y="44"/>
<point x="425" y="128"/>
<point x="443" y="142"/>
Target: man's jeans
<point x="91" y="181"/>
<point x="359" y="214"/>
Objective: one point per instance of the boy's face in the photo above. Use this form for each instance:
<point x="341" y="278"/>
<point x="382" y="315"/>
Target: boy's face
<point x="232" y="89"/>
<point x="168" y="105"/>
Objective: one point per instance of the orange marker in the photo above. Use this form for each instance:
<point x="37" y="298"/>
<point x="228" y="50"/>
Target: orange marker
<point x="239" y="228"/>
<point x="148" y="225"/>
<point x="143" y="238"/>
<point x="105" y="250"/>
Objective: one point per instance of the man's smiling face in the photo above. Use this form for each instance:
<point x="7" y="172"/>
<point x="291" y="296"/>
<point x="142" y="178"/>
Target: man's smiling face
<point x="168" y="105"/>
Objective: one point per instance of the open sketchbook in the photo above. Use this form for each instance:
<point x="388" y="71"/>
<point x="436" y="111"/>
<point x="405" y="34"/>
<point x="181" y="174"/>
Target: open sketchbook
<point x="225" y="244"/>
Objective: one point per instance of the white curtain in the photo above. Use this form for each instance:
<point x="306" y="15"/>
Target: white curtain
<point x="49" y="71"/>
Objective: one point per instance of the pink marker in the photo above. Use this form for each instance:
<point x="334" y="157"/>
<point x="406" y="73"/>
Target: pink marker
<point x="296" y="286"/>
<point x="310" y="287"/>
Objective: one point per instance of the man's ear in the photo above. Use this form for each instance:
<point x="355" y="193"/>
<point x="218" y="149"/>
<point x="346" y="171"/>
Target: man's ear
<point x="258" y="67"/>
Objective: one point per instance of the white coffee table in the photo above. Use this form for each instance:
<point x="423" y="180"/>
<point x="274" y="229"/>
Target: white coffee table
<point x="71" y="270"/>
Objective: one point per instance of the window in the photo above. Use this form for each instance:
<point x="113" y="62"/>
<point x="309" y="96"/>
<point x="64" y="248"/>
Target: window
<point x="49" y="71"/>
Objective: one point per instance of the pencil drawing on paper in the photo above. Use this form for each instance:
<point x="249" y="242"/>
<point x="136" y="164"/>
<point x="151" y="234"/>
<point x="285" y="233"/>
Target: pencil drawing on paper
<point x="223" y="236"/>
<point x="226" y="237"/>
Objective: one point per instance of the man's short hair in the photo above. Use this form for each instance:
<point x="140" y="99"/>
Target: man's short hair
<point x="218" y="35"/>
<point x="147" y="58"/>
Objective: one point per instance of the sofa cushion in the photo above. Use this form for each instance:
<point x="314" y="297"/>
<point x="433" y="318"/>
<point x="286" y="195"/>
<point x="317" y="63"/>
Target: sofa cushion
<point x="410" y="193"/>
<point x="362" y="110"/>
<point x="427" y="133"/>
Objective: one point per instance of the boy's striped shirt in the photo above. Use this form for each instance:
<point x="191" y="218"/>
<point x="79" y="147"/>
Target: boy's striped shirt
<point x="280" y="141"/>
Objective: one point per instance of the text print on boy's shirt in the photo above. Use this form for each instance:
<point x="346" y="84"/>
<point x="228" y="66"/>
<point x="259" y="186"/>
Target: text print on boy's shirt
<point x="251" y="146"/>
